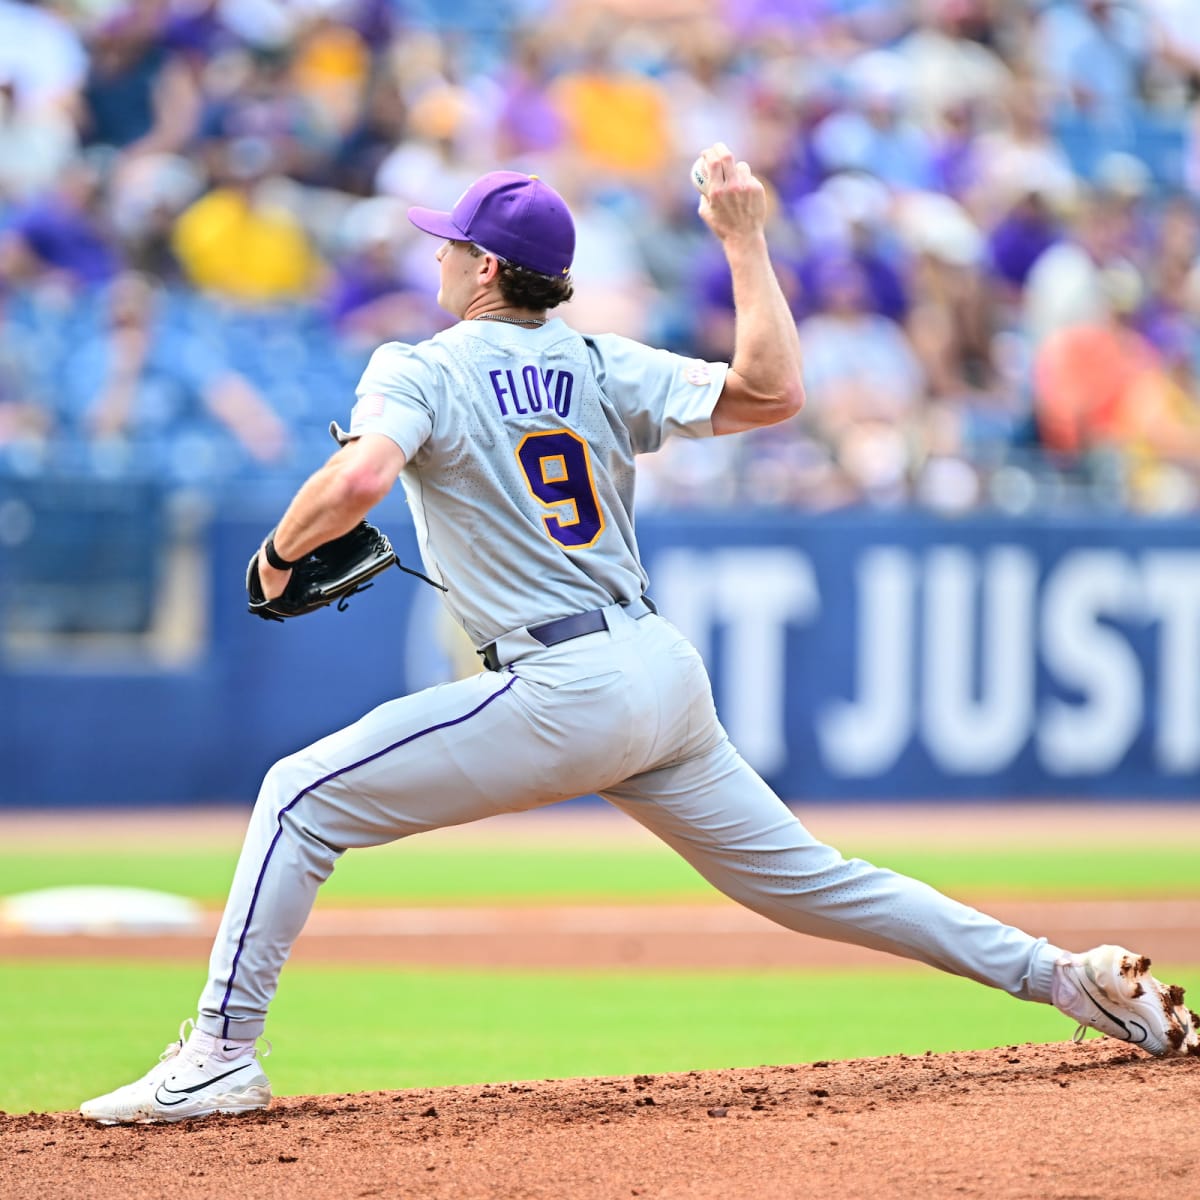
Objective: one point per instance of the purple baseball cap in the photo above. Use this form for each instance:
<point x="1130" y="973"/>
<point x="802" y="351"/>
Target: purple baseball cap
<point x="516" y="217"/>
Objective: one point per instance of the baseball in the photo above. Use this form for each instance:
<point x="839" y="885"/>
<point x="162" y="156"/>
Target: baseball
<point x="700" y="176"/>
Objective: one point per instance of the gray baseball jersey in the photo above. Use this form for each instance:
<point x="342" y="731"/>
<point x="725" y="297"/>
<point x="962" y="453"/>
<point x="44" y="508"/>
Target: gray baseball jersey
<point x="520" y="474"/>
<point x="520" y="447"/>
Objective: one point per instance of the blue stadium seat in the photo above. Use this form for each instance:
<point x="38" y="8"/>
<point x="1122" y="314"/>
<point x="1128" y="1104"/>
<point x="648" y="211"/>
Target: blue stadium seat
<point x="84" y="559"/>
<point x="1159" y="141"/>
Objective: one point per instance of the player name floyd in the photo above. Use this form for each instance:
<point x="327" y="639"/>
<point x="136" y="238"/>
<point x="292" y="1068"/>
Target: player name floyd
<point x="531" y="389"/>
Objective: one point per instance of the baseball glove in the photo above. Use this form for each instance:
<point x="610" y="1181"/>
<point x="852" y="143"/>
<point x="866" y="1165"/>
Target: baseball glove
<point x="334" y="571"/>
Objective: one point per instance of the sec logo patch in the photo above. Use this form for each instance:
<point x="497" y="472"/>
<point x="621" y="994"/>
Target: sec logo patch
<point x="698" y="374"/>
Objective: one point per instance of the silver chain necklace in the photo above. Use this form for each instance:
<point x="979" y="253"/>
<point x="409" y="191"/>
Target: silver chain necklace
<point x="534" y="321"/>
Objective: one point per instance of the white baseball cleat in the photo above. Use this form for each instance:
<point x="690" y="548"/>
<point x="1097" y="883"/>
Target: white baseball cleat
<point x="195" y="1077"/>
<point x="1112" y="990"/>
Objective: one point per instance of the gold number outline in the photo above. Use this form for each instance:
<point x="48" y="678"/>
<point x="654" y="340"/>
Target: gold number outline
<point x="553" y="516"/>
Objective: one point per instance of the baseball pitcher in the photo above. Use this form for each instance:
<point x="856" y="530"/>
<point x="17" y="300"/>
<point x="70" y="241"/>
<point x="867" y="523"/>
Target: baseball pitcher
<point x="515" y="438"/>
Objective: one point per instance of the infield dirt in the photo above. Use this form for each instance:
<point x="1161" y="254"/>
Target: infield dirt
<point x="1055" y="1122"/>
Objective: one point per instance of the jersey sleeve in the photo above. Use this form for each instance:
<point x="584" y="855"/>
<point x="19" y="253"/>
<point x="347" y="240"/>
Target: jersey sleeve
<point x="392" y="397"/>
<point x="658" y="394"/>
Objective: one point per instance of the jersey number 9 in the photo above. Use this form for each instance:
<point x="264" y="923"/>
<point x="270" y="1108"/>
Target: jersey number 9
<point x="558" y="472"/>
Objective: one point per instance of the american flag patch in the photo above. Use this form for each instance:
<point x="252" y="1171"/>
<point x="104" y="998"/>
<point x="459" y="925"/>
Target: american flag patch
<point x="370" y="405"/>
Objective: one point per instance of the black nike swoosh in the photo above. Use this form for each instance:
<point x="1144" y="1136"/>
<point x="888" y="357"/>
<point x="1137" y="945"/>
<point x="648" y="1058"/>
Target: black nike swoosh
<point x="1117" y="1020"/>
<point x="184" y="1093"/>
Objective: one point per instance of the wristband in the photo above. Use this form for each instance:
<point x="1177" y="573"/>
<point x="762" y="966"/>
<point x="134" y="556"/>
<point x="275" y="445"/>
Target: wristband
<point x="273" y="557"/>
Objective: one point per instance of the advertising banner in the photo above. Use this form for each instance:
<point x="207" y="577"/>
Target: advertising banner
<point x="852" y="656"/>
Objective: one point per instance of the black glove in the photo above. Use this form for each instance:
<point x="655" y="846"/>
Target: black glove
<point x="335" y="570"/>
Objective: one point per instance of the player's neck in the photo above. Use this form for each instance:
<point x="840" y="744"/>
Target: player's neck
<point x="508" y="315"/>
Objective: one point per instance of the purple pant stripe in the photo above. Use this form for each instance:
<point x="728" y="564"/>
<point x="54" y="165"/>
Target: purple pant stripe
<point x="362" y="762"/>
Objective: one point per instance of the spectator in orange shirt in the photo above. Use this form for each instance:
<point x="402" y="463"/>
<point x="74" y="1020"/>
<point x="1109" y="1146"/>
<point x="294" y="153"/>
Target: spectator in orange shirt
<point x="1103" y="385"/>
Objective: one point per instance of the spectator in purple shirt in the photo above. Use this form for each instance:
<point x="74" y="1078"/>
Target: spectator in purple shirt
<point x="1023" y="234"/>
<point x="884" y="288"/>
<point x="60" y="234"/>
<point x="529" y="122"/>
<point x="859" y="205"/>
<point x="371" y="298"/>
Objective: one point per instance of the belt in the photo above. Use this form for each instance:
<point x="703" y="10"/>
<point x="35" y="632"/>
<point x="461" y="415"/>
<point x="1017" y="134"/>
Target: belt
<point x="562" y="629"/>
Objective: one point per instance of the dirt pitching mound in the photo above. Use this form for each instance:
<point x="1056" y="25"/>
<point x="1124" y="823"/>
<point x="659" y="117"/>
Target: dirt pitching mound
<point x="1022" y="1121"/>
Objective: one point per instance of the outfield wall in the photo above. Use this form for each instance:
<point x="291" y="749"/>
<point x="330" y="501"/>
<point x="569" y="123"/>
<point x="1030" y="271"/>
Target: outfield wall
<point x="853" y="656"/>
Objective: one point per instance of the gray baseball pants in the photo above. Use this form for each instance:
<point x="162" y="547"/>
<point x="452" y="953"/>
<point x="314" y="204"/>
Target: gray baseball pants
<point x="627" y="713"/>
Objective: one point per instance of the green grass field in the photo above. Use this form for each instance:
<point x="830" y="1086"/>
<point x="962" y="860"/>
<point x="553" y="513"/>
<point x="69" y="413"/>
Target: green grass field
<point x="73" y="1029"/>
<point x="418" y="873"/>
<point x="337" y="1030"/>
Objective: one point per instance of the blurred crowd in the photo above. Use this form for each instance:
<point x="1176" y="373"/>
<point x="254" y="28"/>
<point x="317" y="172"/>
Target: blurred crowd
<point x="984" y="214"/>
